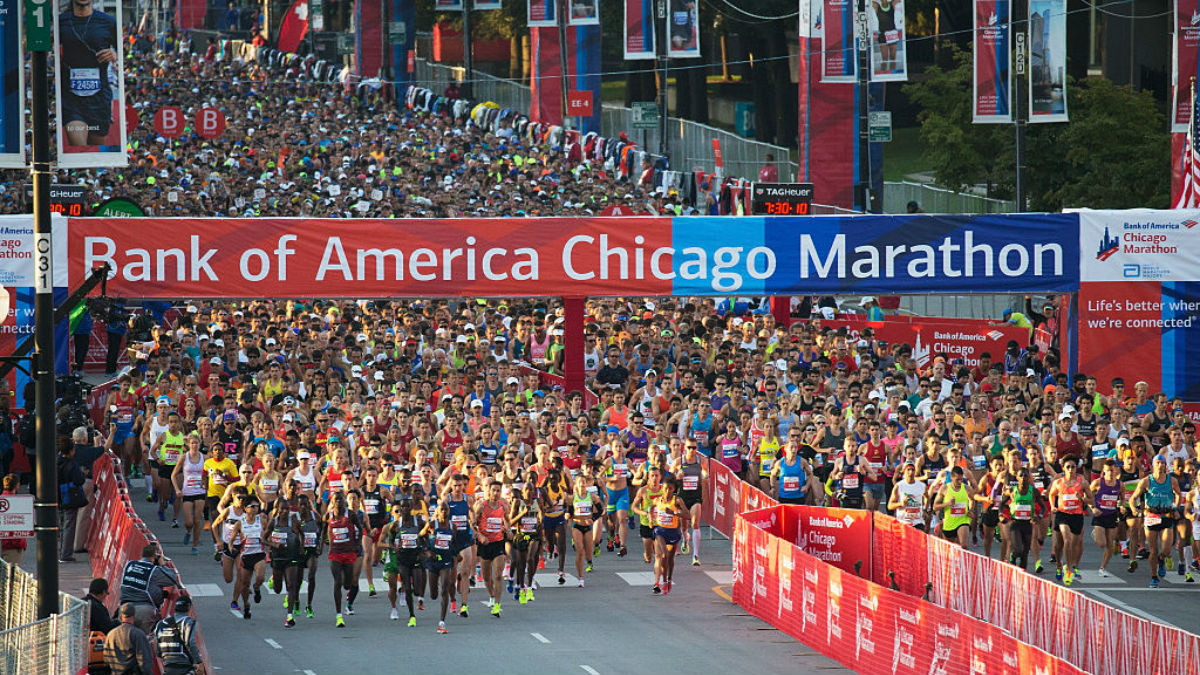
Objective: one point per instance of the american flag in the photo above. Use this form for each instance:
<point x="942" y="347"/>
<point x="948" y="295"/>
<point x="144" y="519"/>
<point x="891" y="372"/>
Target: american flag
<point x="1189" y="194"/>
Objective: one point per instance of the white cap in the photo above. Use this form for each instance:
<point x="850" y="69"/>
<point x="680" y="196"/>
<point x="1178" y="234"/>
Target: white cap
<point x="219" y="342"/>
<point x="781" y="364"/>
<point x="477" y="403"/>
<point x="215" y="361"/>
<point x="1029" y="372"/>
<point x="202" y="337"/>
<point x="289" y="417"/>
<point x="271" y="341"/>
<point x="288" y="400"/>
<point x="192" y="309"/>
<point x="863" y="344"/>
<point x="866" y="299"/>
<point x="512" y="380"/>
<point x="356" y="371"/>
<point x="1123" y="442"/>
<point x="461" y="339"/>
<point x="361" y="337"/>
<point x="379" y="374"/>
<point x="371" y="418"/>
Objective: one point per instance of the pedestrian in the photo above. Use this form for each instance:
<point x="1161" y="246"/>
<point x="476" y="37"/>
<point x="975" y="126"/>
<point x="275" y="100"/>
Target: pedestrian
<point x="913" y="207"/>
<point x="126" y="648"/>
<point x="769" y="173"/>
<point x="101" y="620"/>
<point x="175" y="641"/>
<point x="12" y="549"/>
<point x="142" y="584"/>
<point x="71" y="498"/>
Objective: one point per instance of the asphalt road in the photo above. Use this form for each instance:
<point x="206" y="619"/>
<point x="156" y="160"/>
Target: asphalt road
<point x="614" y="625"/>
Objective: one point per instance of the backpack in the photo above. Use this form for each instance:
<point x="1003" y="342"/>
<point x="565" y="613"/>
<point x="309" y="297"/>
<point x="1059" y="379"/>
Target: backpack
<point x="95" y="646"/>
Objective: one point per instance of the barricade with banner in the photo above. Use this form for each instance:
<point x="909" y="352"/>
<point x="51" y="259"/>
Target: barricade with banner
<point x="964" y="339"/>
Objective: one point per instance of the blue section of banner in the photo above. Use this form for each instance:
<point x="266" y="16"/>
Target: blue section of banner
<point x="13" y="56"/>
<point x="875" y="254"/>
<point x="1004" y="101"/>
<point x="403" y="10"/>
<point x="849" y="55"/>
<point x="648" y="34"/>
<point x="23" y="302"/>
<point x="587" y="72"/>
<point x="1181" y="339"/>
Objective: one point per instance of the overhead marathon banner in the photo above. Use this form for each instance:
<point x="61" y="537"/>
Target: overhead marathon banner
<point x="90" y="101"/>
<point x="839" y="63"/>
<point x="584" y="13"/>
<point x="1047" y="61"/>
<point x="1184" y="64"/>
<point x="541" y="13"/>
<point x="639" y="30"/>
<point x="1139" y="299"/>
<point x="889" y="54"/>
<point x="200" y="257"/>
<point x="993" y="74"/>
<point x="683" y="29"/>
<point x="12" y="105"/>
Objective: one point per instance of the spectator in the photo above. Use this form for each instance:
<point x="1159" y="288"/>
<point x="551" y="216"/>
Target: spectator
<point x="12" y="549"/>
<point x="127" y="648"/>
<point x="115" y="332"/>
<point x="769" y="173"/>
<point x="71" y="498"/>
<point x="142" y="584"/>
<point x="870" y="305"/>
<point x="913" y="207"/>
<point x="175" y="641"/>
<point x="81" y="334"/>
<point x="100" y="620"/>
<point x="86" y="455"/>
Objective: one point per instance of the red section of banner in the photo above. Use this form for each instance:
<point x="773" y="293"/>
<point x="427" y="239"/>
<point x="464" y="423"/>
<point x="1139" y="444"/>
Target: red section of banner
<point x="369" y="50"/>
<point x="192" y="13"/>
<point x="992" y="100"/>
<point x="366" y="258"/>
<point x="954" y="338"/>
<point x="1117" y="331"/>
<point x="294" y="28"/>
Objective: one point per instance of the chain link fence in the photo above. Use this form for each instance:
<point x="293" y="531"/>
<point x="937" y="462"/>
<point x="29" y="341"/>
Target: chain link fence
<point x="484" y="87"/>
<point x="897" y="195"/>
<point x="28" y="646"/>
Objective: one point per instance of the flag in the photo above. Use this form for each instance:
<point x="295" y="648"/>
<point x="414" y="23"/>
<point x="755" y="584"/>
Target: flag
<point x="295" y="26"/>
<point x="1189" y="194"/>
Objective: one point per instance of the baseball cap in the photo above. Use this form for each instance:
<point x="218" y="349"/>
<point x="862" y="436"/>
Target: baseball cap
<point x="229" y="416"/>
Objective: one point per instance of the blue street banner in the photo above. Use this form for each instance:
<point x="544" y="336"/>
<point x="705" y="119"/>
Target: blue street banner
<point x="89" y="68"/>
<point x="12" y="118"/>
<point x="1047" y="60"/>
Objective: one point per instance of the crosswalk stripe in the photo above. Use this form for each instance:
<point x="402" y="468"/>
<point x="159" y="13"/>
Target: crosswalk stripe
<point x="721" y="577"/>
<point x="637" y="578"/>
<point x="205" y="590"/>
<point x="550" y="580"/>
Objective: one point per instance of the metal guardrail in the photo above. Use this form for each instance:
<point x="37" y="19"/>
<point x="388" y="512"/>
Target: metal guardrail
<point x="55" y="645"/>
<point x="897" y="195"/>
<point x="484" y="87"/>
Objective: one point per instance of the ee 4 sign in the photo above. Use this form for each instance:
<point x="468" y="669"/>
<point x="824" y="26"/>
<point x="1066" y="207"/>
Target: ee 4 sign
<point x="168" y="122"/>
<point x="579" y="103"/>
<point x="210" y="122"/>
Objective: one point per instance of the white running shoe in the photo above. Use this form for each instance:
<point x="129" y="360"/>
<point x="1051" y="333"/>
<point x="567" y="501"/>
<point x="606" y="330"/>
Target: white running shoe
<point x="1102" y="573"/>
<point x="395" y="615"/>
<point x="581" y="582"/>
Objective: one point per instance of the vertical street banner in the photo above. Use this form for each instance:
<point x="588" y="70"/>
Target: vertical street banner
<point x="294" y="27"/>
<point x="639" y="30"/>
<point x="1187" y="44"/>
<point x="90" y="96"/>
<point x="486" y="4"/>
<point x="541" y="13"/>
<point x="993" y="71"/>
<point x="447" y="5"/>
<point x="889" y="53"/>
<point x="838" y="60"/>
<point x="12" y="107"/>
<point x="1047" y="60"/>
<point x="683" y="29"/>
<point x="584" y="13"/>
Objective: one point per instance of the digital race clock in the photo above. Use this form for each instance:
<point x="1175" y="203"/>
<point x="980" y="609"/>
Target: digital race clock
<point x="780" y="199"/>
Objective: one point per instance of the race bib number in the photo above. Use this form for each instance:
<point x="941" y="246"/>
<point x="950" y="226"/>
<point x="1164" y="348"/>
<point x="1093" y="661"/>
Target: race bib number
<point x="442" y="540"/>
<point x="171" y="455"/>
<point x="1039" y="485"/>
<point x="701" y="438"/>
<point x="408" y="540"/>
<point x="220" y="479"/>
<point x="341" y="535"/>
<point x="278" y="538"/>
<point x="1022" y="512"/>
<point x="269" y="485"/>
<point x="875" y="466"/>
<point x="1070" y="501"/>
<point x="958" y="509"/>
<point x="1152" y="519"/>
<point x="583" y="509"/>
<point x="494" y="525"/>
<point x="1099" y="451"/>
<point x="621" y="469"/>
<point x="529" y="525"/>
<point x="791" y="483"/>
<point x="191" y="482"/>
<point x="458" y="522"/>
<point x="681" y="18"/>
<point x="1108" y="502"/>
<point x="729" y="450"/>
<point x="850" y="481"/>
<point x="910" y="514"/>
<point x="691" y="482"/>
<point x="335" y="485"/>
<point x="891" y="35"/>
<point x="980" y="461"/>
<point x="666" y="518"/>
<point x="85" y="81"/>
<point x="125" y="418"/>
<point x="310" y="539"/>
<point x="371" y="505"/>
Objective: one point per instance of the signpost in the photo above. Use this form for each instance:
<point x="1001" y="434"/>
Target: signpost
<point x="16" y="516"/>
<point x="879" y="124"/>
<point x="645" y="115"/>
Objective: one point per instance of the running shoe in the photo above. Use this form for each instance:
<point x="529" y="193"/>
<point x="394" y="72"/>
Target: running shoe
<point x="174" y="524"/>
<point x="645" y="558"/>
<point x="463" y="612"/>
<point x="246" y="612"/>
<point x="667" y="588"/>
<point x="371" y="591"/>
<point x="695" y="561"/>
<point x="453" y="606"/>
<point x="581" y="583"/>
<point x="1188" y="578"/>
<point x="610" y="545"/>
<point x="1162" y="569"/>
<point x="350" y="609"/>
<point x="308" y="612"/>
<point x="656" y="590"/>
<point x="496" y="610"/>
<point x="1153" y="582"/>
<point x="624" y="552"/>
<point x="517" y="592"/>
<point x="412" y="622"/>
<point x="395" y="615"/>
<point x="187" y="538"/>
<point x="1076" y="575"/>
<point x="589" y="567"/>
<point x="1058" y="574"/>
<point x="523" y="596"/>
<point x="1125" y="550"/>
<point x="442" y="627"/>
<point x="541" y="563"/>
<point x="421" y="604"/>
<point x="1133" y="564"/>
<point x="234" y="606"/>
<point x="1037" y="566"/>
<point x="684" y="549"/>
<point x="289" y="622"/>
<point x="1195" y="565"/>
<point x="562" y="579"/>
<point x="1169" y="561"/>
<point x="195" y="551"/>
<point x="1103" y="573"/>
<point x="529" y="594"/>
<point x="1143" y="553"/>
<point x="596" y="549"/>
<point x="1053" y="558"/>
<point x="1067" y="575"/>
<point x="257" y="594"/>
<point x="1179" y="569"/>
<point x="162" y="516"/>
<point x="285" y="602"/>
<point x="510" y="586"/>
<point x="340" y="623"/>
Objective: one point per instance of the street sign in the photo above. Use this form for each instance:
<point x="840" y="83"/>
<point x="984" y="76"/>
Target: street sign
<point x="645" y="115"/>
<point x="1019" y="66"/>
<point x="316" y="14"/>
<point x="345" y="43"/>
<point x="39" y="25"/>
<point x="879" y="126"/>
<point x="16" y="516"/>
<point x="397" y="32"/>
<point x="119" y="207"/>
<point x="579" y="103"/>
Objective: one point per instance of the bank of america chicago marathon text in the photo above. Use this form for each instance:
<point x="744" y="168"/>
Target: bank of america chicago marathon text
<point x="586" y="257"/>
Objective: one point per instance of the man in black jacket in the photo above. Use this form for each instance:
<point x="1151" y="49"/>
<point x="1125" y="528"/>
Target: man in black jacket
<point x="101" y="620"/>
<point x="71" y="498"/>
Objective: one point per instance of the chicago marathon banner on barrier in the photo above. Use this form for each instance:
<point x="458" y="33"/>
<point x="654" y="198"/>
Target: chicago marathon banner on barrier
<point x="541" y="13"/>
<point x="993" y="75"/>
<point x="1139" y="300"/>
<point x="1048" y="60"/>
<point x="889" y="50"/>
<point x="198" y="257"/>
<point x="838" y="60"/>
<point x="639" y="30"/>
<point x="1184" y="64"/>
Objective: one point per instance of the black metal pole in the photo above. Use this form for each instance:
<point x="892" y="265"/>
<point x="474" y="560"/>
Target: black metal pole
<point x="1017" y="29"/>
<point x="564" y="80"/>
<point x="46" y="507"/>
<point x="467" y="60"/>
<point x="663" y="34"/>
<point x="862" y="196"/>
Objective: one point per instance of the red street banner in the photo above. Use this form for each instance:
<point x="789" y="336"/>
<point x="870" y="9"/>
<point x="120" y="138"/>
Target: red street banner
<point x="541" y="13"/>
<point x="639" y="30"/>
<point x="294" y="28"/>
<point x="1187" y="43"/>
<point x="993" y="76"/>
<point x="839" y="62"/>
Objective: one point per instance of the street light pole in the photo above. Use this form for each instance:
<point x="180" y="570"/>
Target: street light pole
<point x="862" y="196"/>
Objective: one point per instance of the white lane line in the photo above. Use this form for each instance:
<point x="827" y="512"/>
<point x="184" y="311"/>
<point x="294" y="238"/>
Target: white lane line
<point x="540" y="638"/>
<point x="588" y="669"/>
<point x="721" y="577"/>
<point x="309" y="672"/>
<point x="273" y="643"/>
<point x="1139" y="589"/>
<point x="205" y="590"/>
<point x="550" y="580"/>
<point x="1128" y="608"/>
<point x="235" y="613"/>
<point x="637" y="578"/>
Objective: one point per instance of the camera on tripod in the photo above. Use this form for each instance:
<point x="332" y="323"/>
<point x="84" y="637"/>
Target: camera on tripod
<point x="71" y="411"/>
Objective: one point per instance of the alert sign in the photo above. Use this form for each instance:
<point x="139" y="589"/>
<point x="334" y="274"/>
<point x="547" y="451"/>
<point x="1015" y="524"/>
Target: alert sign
<point x="210" y="122"/>
<point x="16" y="516"/>
<point x="168" y="122"/>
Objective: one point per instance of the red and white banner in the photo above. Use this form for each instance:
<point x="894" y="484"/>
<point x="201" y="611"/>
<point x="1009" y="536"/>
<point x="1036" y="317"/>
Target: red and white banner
<point x="294" y="28"/>
<point x="1183" y="67"/>
<point x="839" y="61"/>
<point x="541" y="13"/>
<point x="992" y="57"/>
<point x="639" y="30"/>
<point x="965" y="339"/>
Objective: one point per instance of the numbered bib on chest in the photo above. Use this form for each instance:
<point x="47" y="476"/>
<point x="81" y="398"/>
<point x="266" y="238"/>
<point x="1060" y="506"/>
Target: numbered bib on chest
<point x="278" y="538"/>
<point x="791" y="483"/>
<point x="85" y="81"/>
<point x="191" y="482"/>
<point x="371" y="505"/>
<point x="958" y="509"/>
<point x="729" y="450"/>
<point x="583" y="509"/>
<point x="1022" y="512"/>
<point x="910" y="514"/>
<point x="310" y="539"/>
<point x="979" y="461"/>
<point x="691" y="482"/>
<point x="494" y="525"/>
<point x="529" y="524"/>
<point x="442" y="540"/>
<point x="1108" y="502"/>
<point x="1070" y="501"/>
<point x="850" y="481"/>
<point x="341" y="535"/>
<point x="408" y="540"/>
<point x="269" y="485"/>
<point x="458" y="522"/>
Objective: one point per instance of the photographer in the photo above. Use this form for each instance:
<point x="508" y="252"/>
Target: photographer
<point x="142" y="584"/>
<point x="115" y="327"/>
<point x="71" y="498"/>
<point x="81" y="334"/>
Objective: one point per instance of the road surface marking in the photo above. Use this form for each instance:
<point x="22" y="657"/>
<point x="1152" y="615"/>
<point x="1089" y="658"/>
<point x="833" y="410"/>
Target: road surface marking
<point x="309" y="672"/>
<point x="724" y="578"/>
<point x="719" y="590"/>
<point x="637" y="578"/>
<point x="550" y="580"/>
<point x="235" y="612"/>
<point x="1129" y="608"/>
<point x="273" y="643"/>
<point x="540" y="638"/>
<point x="205" y="590"/>
<point x="588" y="669"/>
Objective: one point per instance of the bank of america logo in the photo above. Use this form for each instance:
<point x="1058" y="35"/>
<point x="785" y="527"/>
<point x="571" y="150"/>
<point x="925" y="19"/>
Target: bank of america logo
<point x="1189" y="224"/>
<point x="1108" y="246"/>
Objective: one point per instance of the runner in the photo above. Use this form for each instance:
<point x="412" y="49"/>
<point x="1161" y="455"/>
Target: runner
<point x="617" y="473"/>
<point x="907" y="500"/>
<point x="312" y="534"/>
<point x="460" y="505"/>
<point x="526" y="514"/>
<point x="552" y="499"/>
<point x="1109" y="498"/>
<point x="643" y="503"/>
<point x="670" y="520"/>
<point x="849" y="471"/>
<point x="582" y="509"/>
<point x="286" y="546"/>
<point x="405" y="545"/>
<point x="342" y="529"/>
<point x="1019" y="502"/>
<point x="227" y="548"/>
<point x="954" y="500"/>
<point x="440" y="563"/>
<point x="1068" y="496"/>
<point x="252" y="563"/>
<point x="166" y="451"/>
<point x="1162" y="496"/>
<point x="188" y="481"/>
<point x="693" y="480"/>
<point x="490" y="521"/>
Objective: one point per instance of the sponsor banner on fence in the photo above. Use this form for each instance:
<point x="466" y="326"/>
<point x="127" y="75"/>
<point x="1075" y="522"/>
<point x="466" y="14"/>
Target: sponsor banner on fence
<point x="639" y="30"/>
<point x="586" y="256"/>
<point x="966" y="339"/>
<point x="889" y="49"/>
<point x="1139" y="244"/>
<point x="992" y="58"/>
<point x="1047" y="60"/>
<point x="583" y="12"/>
<point x="1184" y="64"/>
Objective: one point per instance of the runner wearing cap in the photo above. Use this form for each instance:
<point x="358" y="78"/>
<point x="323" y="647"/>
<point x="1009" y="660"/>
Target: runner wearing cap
<point x="220" y="471"/>
<point x="159" y="423"/>
<point x="1161" y="493"/>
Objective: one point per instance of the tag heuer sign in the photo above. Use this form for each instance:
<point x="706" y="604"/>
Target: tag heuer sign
<point x="781" y="199"/>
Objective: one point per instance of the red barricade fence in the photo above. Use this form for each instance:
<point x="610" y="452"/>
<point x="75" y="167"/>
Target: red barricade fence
<point x="1032" y="624"/>
<point x="117" y="534"/>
